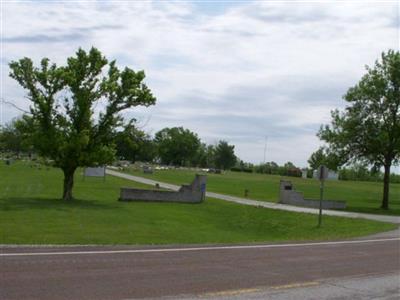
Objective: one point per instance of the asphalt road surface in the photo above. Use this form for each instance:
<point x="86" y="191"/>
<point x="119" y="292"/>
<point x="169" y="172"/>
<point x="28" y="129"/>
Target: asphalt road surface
<point x="382" y="287"/>
<point x="199" y="271"/>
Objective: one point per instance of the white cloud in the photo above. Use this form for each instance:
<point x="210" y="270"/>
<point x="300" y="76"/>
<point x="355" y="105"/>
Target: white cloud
<point x="253" y="69"/>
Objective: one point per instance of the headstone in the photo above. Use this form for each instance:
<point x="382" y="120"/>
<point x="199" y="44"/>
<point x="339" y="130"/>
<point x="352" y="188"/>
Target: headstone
<point x="332" y="175"/>
<point x="147" y="170"/>
<point x="95" y="171"/>
<point x="214" y="171"/>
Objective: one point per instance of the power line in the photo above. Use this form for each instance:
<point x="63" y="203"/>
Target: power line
<point x="13" y="105"/>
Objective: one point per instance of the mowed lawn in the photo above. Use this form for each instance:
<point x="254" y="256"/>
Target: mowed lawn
<point x="359" y="196"/>
<point x="31" y="213"/>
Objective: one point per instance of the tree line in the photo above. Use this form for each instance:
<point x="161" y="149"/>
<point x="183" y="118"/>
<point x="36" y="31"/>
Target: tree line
<point x="271" y="168"/>
<point x="175" y="146"/>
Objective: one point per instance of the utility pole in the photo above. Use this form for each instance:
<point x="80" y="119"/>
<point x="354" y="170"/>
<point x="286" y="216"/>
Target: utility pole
<point x="265" y="148"/>
<point x="1" y="109"/>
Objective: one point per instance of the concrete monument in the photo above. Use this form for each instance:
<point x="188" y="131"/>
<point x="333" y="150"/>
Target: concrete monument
<point x="288" y="195"/>
<point x="193" y="193"/>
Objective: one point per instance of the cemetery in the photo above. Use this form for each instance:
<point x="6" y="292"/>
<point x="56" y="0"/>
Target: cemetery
<point x="96" y="217"/>
<point x="354" y="196"/>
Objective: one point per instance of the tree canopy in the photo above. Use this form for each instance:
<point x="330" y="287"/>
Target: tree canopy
<point x="323" y="157"/>
<point x="224" y="155"/>
<point x="76" y="108"/>
<point x="134" y="144"/>
<point x="177" y="146"/>
<point x="368" y="130"/>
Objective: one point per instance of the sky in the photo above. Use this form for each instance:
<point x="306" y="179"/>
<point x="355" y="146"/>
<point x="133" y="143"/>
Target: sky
<point x="262" y="75"/>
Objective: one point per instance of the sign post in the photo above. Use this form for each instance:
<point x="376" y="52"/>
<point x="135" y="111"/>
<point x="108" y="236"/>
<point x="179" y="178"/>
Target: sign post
<point x="322" y="175"/>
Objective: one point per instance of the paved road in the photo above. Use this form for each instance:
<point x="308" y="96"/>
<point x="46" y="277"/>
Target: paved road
<point x="390" y="219"/>
<point x="383" y="287"/>
<point x="126" y="272"/>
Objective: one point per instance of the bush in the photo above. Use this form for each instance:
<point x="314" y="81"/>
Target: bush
<point x="238" y="169"/>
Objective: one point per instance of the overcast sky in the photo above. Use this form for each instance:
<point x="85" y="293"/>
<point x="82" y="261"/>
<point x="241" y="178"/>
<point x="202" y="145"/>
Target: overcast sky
<point x="232" y="70"/>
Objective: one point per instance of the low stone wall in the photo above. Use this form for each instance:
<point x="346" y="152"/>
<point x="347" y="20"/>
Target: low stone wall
<point x="193" y="193"/>
<point x="288" y="195"/>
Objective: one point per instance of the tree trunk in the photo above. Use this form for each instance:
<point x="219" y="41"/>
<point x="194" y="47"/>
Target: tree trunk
<point x="386" y="180"/>
<point x="68" y="183"/>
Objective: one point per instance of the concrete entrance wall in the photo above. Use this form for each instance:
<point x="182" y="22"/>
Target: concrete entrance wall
<point x="288" y="195"/>
<point x="193" y="193"/>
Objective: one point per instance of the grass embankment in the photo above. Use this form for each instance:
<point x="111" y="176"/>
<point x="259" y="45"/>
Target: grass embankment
<point x="359" y="196"/>
<point x="31" y="213"/>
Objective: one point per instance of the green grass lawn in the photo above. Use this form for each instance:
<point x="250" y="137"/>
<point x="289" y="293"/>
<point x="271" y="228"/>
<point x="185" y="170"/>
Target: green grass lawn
<point x="31" y="213"/>
<point x="359" y="196"/>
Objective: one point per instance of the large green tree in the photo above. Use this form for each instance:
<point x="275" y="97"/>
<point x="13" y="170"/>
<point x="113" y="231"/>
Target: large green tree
<point x="76" y="108"/>
<point x="368" y="130"/>
<point x="177" y="146"/>
<point x="323" y="157"/>
<point x="225" y="157"/>
<point x="205" y="156"/>
<point x="210" y="156"/>
<point x="134" y="144"/>
<point x="317" y="159"/>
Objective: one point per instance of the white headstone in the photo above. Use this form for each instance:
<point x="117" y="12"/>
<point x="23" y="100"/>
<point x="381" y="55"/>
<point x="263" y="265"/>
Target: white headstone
<point x="95" y="171"/>
<point x="329" y="174"/>
<point x="332" y="175"/>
